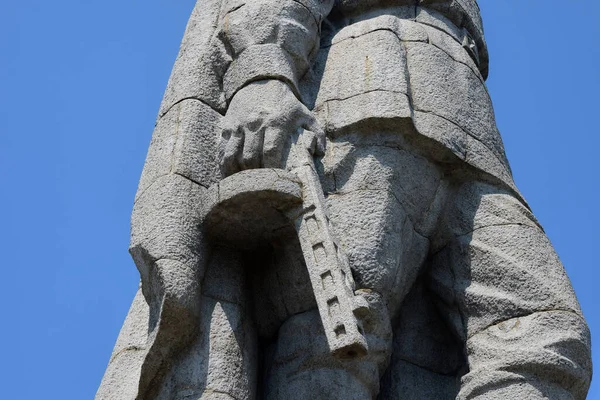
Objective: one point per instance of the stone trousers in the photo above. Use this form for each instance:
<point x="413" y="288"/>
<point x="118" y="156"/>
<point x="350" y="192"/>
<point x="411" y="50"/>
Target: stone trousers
<point x="473" y="247"/>
<point x="487" y="267"/>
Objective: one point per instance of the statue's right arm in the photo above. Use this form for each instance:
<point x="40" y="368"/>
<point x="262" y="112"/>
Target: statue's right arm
<point x="270" y="39"/>
<point x="272" y="44"/>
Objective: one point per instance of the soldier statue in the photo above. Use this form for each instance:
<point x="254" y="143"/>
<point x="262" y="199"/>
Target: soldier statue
<point x="452" y="289"/>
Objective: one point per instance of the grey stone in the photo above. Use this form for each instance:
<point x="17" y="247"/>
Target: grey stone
<point x="250" y="207"/>
<point x="426" y="361"/>
<point x="301" y="349"/>
<point x="434" y="19"/>
<point x="434" y="78"/>
<point x="123" y="372"/>
<point x="327" y="211"/>
<point x="464" y="14"/>
<point x="198" y="68"/>
<point x="218" y="362"/>
<point x="377" y="64"/>
<point x="184" y="143"/>
<point x="539" y="340"/>
<point x="159" y="216"/>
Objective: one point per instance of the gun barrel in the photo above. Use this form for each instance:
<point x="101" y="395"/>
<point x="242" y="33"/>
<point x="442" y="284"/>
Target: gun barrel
<point x="327" y="265"/>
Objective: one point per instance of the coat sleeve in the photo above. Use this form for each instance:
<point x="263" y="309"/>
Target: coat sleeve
<point x="505" y="292"/>
<point x="270" y="39"/>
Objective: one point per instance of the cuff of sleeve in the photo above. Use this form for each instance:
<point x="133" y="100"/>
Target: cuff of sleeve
<point x="266" y="61"/>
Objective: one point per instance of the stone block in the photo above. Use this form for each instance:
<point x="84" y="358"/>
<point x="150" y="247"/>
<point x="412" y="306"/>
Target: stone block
<point x="464" y="14"/>
<point x="480" y="156"/>
<point x="379" y="108"/>
<point x="404" y="29"/>
<point x="184" y="143"/>
<point x="450" y="89"/>
<point x="220" y="362"/>
<point x="553" y="344"/>
<point x="353" y="9"/>
<point x="201" y="61"/>
<point x="370" y="227"/>
<point x="378" y="164"/>
<point x="121" y="378"/>
<point x="479" y="205"/>
<point x="450" y="135"/>
<point x="498" y="275"/>
<point x="248" y="208"/>
<point x="436" y="20"/>
<point x="371" y="62"/>
<point x="164" y="222"/>
<point x="454" y="47"/>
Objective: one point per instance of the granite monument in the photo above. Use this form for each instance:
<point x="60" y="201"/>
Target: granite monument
<point x="327" y="212"/>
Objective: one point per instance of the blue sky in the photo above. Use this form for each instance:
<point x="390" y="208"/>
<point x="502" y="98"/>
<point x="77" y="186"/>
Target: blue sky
<point x="81" y="84"/>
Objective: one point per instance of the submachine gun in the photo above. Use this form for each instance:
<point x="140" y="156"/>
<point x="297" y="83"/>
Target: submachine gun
<point x="328" y="267"/>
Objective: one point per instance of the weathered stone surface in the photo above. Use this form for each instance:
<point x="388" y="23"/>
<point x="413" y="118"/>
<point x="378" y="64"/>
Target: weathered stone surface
<point x="123" y="372"/>
<point x="411" y="73"/>
<point x="301" y="350"/>
<point x="183" y="143"/>
<point x="327" y="211"/>
<point x="464" y="14"/>
<point x="540" y="340"/>
<point x="380" y="67"/>
<point x="199" y="66"/>
<point x="435" y="78"/>
<point x="426" y="361"/>
<point x="220" y="362"/>
<point x="165" y="223"/>
<point x="250" y="207"/>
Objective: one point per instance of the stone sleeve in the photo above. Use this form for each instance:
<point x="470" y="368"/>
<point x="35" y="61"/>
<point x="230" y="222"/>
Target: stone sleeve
<point x="506" y="293"/>
<point x="270" y="39"/>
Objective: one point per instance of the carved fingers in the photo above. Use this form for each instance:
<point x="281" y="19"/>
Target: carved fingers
<point x="259" y="125"/>
<point x="247" y="149"/>
<point x="274" y="145"/>
<point x="314" y="135"/>
<point x="229" y="146"/>
<point x="252" y="149"/>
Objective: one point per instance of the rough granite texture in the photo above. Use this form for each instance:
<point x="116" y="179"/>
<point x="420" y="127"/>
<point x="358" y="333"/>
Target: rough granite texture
<point x="327" y="212"/>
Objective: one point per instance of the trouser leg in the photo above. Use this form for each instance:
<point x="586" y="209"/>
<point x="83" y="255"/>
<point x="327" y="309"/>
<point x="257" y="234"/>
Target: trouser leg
<point x="220" y="363"/>
<point x="379" y="199"/>
<point x="383" y="205"/>
<point x="509" y="300"/>
<point x="303" y="368"/>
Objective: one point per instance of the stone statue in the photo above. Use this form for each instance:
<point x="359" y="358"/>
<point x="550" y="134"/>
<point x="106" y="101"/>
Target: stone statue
<point x="327" y="212"/>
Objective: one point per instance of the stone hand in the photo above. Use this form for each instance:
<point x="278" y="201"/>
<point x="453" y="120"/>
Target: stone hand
<point x="259" y="124"/>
